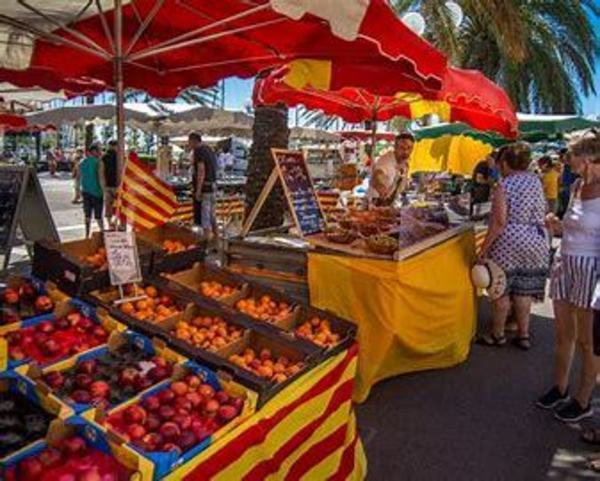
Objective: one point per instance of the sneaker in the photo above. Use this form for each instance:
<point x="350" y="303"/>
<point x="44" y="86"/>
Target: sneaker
<point x="573" y="412"/>
<point x="552" y="398"/>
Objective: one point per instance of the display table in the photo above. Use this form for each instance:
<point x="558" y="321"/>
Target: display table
<point x="412" y="315"/>
<point x="308" y="431"/>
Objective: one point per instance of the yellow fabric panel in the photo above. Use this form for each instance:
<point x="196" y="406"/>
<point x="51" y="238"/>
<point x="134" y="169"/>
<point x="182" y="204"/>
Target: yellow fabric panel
<point x="412" y="315"/>
<point x="314" y="73"/>
<point x="421" y="108"/>
<point x="289" y="426"/>
<point x="456" y="154"/>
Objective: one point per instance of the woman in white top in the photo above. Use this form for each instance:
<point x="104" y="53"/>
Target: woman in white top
<point x="575" y="274"/>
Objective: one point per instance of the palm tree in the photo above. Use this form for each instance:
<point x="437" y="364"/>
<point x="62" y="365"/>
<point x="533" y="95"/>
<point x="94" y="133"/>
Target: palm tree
<point x="542" y="53"/>
<point x="270" y="130"/>
<point x="209" y="97"/>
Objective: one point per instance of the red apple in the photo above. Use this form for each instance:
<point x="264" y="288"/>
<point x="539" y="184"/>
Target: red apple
<point x="183" y="403"/>
<point x="170" y="430"/>
<point x="51" y="457"/>
<point x="91" y="474"/>
<point x="222" y="397"/>
<point x="74" y="445"/>
<point x="79" y="347"/>
<point x="151" y="403"/>
<point x="211" y="407"/>
<point x="128" y="376"/>
<point x="166" y="396"/>
<point x="27" y="291"/>
<point x="135" y="414"/>
<point x="99" y="333"/>
<point x="166" y="412"/>
<point x="186" y="440"/>
<point x="54" y="379"/>
<point x="179" y="388"/>
<point x="14" y="337"/>
<point x="142" y="383"/>
<point x="16" y="353"/>
<point x="9" y="317"/>
<point x="166" y="301"/>
<point x="159" y="361"/>
<point x="43" y="304"/>
<point x="200" y="430"/>
<point x="157" y="373"/>
<point x="46" y="327"/>
<point x="237" y="403"/>
<point x="194" y="398"/>
<point x="171" y="447"/>
<point x="83" y="380"/>
<point x="81" y="396"/>
<point x="152" y="441"/>
<point x="85" y="323"/>
<point x="206" y="391"/>
<point x="99" y="389"/>
<point x="30" y="468"/>
<point x="193" y="381"/>
<point x="87" y="367"/>
<point x="40" y="338"/>
<point x="183" y="421"/>
<point x="153" y="422"/>
<point x="227" y="413"/>
<point x="74" y="318"/>
<point x="11" y="296"/>
<point x="136" y="431"/>
<point x="62" y="324"/>
<point x="51" y="348"/>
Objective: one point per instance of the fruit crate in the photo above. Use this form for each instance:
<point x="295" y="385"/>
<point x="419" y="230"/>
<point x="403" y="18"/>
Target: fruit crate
<point x="141" y="295"/>
<point x="295" y="351"/>
<point x="25" y="298"/>
<point x="30" y="410"/>
<point x="68" y="266"/>
<point x="163" y="237"/>
<point x="28" y="341"/>
<point x="191" y="432"/>
<point x="189" y="283"/>
<point x="97" y="372"/>
<point x="342" y="328"/>
<point x="212" y="357"/>
<point x="73" y="450"/>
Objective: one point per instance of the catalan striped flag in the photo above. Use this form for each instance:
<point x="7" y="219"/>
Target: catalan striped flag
<point x="306" y="432"/>
<point x="144" y="201"/>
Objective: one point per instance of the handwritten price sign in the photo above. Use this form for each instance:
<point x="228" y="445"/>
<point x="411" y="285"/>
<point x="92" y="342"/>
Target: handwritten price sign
<point x="123" y="260"/>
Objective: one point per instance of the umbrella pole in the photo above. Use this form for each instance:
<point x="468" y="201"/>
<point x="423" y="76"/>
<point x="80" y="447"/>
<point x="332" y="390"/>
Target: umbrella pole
<point x="119" y="86"/>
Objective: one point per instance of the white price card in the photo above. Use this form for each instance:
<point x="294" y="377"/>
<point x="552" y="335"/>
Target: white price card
<point x="123" y="259"/>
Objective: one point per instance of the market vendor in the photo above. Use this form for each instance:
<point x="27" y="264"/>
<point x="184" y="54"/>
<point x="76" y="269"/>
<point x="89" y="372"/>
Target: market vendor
<point x="390" y="172"/>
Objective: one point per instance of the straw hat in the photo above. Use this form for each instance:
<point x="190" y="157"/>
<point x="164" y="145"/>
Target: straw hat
<point x="491" y="277"/>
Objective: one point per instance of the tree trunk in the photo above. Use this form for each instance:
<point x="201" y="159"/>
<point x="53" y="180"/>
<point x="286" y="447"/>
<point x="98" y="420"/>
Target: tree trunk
<point x="270" y="130"/>
<point x="89" y="128"/>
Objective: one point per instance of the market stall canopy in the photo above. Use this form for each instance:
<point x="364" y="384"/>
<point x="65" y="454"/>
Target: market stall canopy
<point x="313" y="135"/>
<point x="11" y="121"/>
<point x="546" y="127"/>
<point x="466" y="96"/>
<point x="208" y="121"/>
<point x="168" y="45"/>
<point x="13" y="93"/>
<point x="456" y="130"/>
<point x="363" y="135"/>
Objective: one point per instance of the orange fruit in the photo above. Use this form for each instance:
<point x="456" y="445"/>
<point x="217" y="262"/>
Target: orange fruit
<point x="127" y="307"/>
<point x="151" y="292"/>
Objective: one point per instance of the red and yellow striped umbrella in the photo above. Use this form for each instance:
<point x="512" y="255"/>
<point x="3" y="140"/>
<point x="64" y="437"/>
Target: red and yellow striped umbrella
<point x="466" y="96"/>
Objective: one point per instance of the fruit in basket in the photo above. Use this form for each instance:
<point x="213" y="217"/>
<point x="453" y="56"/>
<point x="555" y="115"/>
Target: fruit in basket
<point x="210" y="333"/>
<point x="264" y="364"/>
<point x="265" y="308"/>
<point x="43" y="304"/>
<point x="110" y="378"/>
<point x="216" y="290"/>
<point x="318" y="331"/>
<point x="156" y="307"/>
<point x="98" y="259"/>
<point x="71" y="459"/>
<point x="340" y="235"/>
<point x="382" y="244"/>
<point x="174" y="246"/>
<point x="48" y="341"/>
<point x="177" y="429"/>
<point x="10" y="296"/>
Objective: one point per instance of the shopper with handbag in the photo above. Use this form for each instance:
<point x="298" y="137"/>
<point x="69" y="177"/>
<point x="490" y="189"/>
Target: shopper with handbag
<point x="575" y="276"/>
<point x="517" y="242"/>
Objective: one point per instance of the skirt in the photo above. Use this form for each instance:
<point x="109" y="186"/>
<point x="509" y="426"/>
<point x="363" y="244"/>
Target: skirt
<point x="574" y="279"/>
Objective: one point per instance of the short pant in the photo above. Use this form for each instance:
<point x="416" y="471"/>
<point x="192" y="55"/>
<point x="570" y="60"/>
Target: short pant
<point x="92" y="204"/>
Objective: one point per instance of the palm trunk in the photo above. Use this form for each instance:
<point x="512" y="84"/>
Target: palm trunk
<point x="270" y="131"/>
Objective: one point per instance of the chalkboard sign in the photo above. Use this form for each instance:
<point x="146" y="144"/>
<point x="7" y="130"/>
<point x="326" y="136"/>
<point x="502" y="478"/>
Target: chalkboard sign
<point x="122" y="257"/>
<point x="299" y="190"/>
<point x="22" y="205"/>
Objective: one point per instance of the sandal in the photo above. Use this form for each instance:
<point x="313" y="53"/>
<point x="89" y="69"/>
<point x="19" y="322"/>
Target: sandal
<point x="491" y="340"/>
<point x="591" y="436"/>
<point x="522" y="342"/>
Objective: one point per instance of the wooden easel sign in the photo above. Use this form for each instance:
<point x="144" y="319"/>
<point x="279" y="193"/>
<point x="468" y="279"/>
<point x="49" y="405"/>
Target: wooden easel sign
<point x="123" y="263"/>
<point x="291" y="169"/>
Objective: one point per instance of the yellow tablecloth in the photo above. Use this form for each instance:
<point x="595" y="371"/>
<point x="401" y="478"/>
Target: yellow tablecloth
<point x="412" y="315"/>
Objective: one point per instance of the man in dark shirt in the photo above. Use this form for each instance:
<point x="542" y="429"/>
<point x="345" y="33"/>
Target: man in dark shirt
<point x="482" y="181"/>
<point x="204" y="175"/>
<point x="110" y="182"/>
